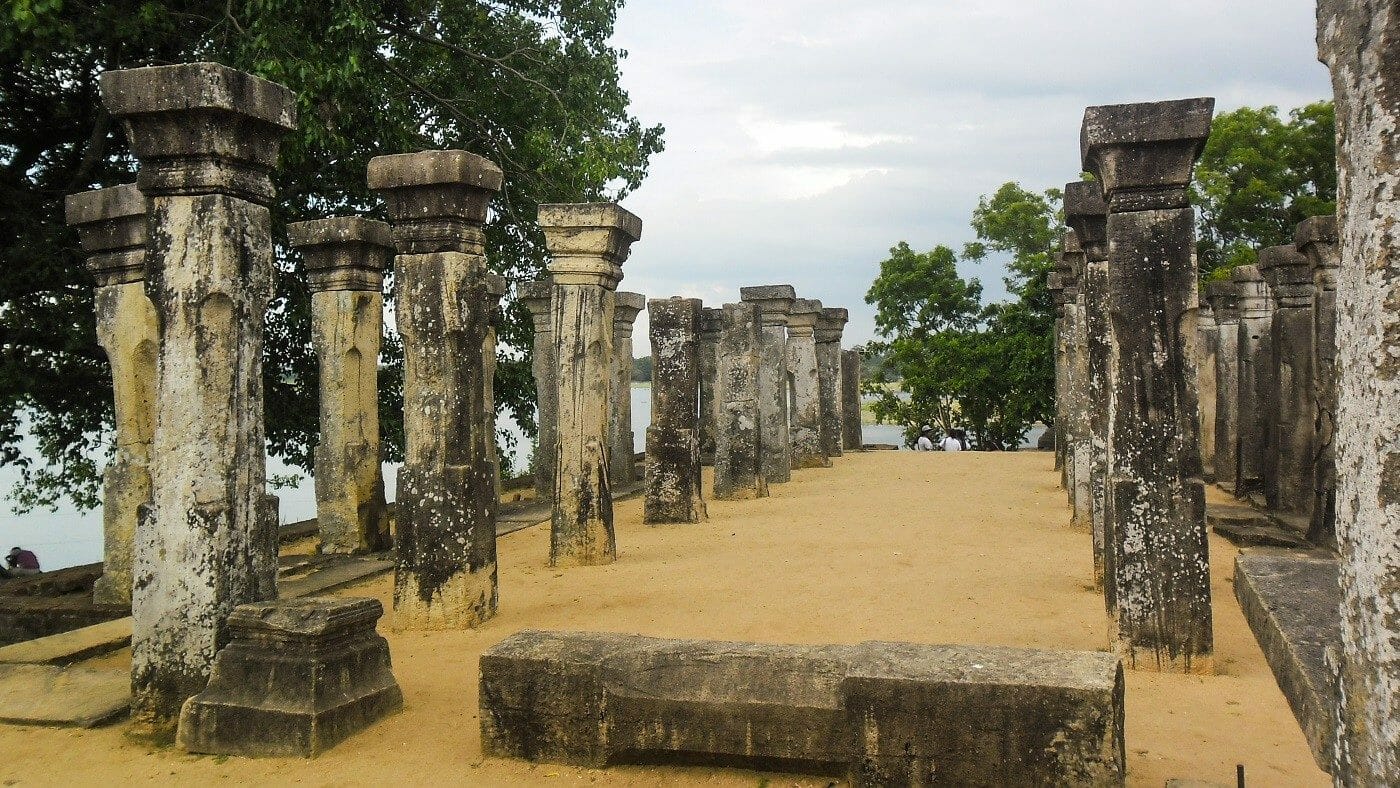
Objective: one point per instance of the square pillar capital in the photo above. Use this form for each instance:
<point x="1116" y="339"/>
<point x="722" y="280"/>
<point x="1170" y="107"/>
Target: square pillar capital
<point x="437" y="199"/>
<point x="1143" y="154"/>
<point x="111" y="225"/>
<point x="343" y="252"/>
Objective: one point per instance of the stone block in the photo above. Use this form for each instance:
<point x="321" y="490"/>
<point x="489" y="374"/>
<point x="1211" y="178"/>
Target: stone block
<point x="296" y="678"/>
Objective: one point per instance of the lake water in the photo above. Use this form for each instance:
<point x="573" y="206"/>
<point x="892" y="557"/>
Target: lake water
<point x="68" y="537"/>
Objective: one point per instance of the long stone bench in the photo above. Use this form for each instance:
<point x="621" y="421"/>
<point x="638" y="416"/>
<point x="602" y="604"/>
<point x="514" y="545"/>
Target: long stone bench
<point x="877" y="713"/>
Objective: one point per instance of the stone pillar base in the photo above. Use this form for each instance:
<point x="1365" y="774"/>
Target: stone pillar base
<point x="296" y="678"/>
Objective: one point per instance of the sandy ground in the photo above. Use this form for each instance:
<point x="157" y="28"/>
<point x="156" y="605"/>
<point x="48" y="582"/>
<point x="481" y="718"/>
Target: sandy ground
<point x="937" y="548"/>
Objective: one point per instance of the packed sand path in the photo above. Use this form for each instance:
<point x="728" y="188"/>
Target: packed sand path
<point x="937" y="548"/>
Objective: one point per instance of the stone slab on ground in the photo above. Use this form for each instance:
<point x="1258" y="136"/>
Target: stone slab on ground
<point x="71" y="646"/>
<point x="68" y="696"/>
<point x="1246" y="526"/>
<point x="879" y="713"/>
<point x="1291" y="600"/>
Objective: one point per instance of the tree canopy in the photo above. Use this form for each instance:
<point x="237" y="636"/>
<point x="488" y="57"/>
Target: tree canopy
<point x="530" y="84"/>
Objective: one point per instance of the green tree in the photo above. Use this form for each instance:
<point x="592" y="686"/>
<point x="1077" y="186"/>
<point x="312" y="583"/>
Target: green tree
<point x="531" y="84"/>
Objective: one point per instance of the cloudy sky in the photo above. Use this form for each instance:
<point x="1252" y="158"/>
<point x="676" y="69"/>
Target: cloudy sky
<point x="806" y="137"/>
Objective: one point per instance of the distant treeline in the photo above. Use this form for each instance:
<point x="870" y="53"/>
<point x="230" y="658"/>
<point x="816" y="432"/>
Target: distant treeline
<point x="641" y="369"/>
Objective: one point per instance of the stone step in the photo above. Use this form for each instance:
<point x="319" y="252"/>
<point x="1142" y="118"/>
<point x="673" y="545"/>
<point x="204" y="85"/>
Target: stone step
<point x="72" y="646"/>
<point x="68" y="696"/>
<point x="1246" y="526"/>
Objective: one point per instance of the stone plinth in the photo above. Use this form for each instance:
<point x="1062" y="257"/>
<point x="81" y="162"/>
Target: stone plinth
<point x="806" y="405"/>
<point x="1143" y="154"/>
<point x="535" y="296"/>
<point x="773" y="302"/>
<point x="851" y="438"/>
<point x="1317" y="238"/>
<point x="830" y="325"/>
<point x="738" y="454"/>
<point x="207" y="138"/>
<point x="1359" y="43"/>
<point x="673" y="447"/>
<point x="626" y="307"/>
<point x="345" y="259"/>
<point x="876" y="713"/>
<point x="1289" y="464"/>
<point x="1254" y="348"/>
<point x="296" y="678"/>
<point x="707" y="349"/>
<point x="111" y="224"/>
<point x="445" y="545"/>
<point x="588" y="243"/>
<point x="1225" y="305"/>
<point x="1207" y="361"/>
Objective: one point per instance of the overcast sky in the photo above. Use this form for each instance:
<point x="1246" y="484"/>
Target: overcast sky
<point x="806" y="137"/>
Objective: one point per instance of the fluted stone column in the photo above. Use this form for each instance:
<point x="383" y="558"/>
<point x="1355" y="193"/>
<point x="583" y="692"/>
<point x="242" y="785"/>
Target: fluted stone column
<point x="1143" y="155"/>
<point x="207" y="139"/>
<point x="1291" y="415"/>
<point x="707" y="351"/>
<point x="344" y="259"/>
<point x="626" y="307"/>
<point x="589" y="242"/>
<point x="496" y="287"/>
<point x="738" y="436"/>
<point x="1087" y="214"/>
<point x="851" y="438"/>
<point x="1317" y="238"/>
<point x="673" y="445"/>
<point x="830" y="325"/>
<point x="806" y="396"/>
<point x="1360" y="43"/>
<point x="445" y="545"/>
<point x="1254" y="378"/>
<point x="1225" y="304"/>
<point x="112" y="226"/>
<point x="535" y="296"/>
<point x="1207" y="357"/>
<point x="1076" y="343"/>
<point x="773" y="303"/>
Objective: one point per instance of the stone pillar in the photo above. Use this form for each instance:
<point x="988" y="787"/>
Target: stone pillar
<point x="773" y="303"/>
<point x="1225" y="304"/>
<point x="830" y="325"/>
<point x="707" y="351"/>
<point x="1254" y="353"/>
<point x="344" y="260"/>
<point x="851" y="438"/>
<point x="445" y="575"/>
<point x="738" y="454"/>
<point x="673" y="446"/>
<point x="1076" y="425"/>
<point x="1291" y="416"/>
<point x="1087" y="214"/>
<point x="589" y="243"/>
<point x="112" y="226"/>
<point x="1054" y="282"/>
<point x="806" y="407"/>
<point x="1207" y="357"/>
<point x="496" y="287"/>
<point x="1317" y="238"/>
<point x="535" y="296"/>
<point x="626" y="306"/>
<point x="1360" y="43"/>
<point x="207" y="138"/>
<point x="1143" y="154"/>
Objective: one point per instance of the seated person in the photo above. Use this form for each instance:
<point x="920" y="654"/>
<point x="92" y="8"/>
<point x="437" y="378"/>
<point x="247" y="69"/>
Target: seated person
<point x="22" y="562"/>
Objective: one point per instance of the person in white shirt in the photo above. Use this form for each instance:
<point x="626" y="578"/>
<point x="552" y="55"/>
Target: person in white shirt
<point x="924" y="443"/>
<point x="950" y="443"/>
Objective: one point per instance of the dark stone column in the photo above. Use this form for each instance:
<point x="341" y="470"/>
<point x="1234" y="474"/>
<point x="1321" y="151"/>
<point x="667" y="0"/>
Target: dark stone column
<point x="1317" y="238"/>
<point x="207" y="138"/>
<point x="1143" y="155"/>
<point x="1289" y="485"/>
<point x="1225" y="303"/>
<point x="706" y="349"/>
<point x="851" y="437"/>
<point x="1254" y="379"/>
<point x="773" y="303"/>
<point x="805" y="407"/>
<point x="738" y="459"/>
<point x="830" y="325"/>
<point x="535" y="296"/>
<point x="1054" y="282"/>
<point x="1207" y="354"/>
<point x="496" y="287"/>
<point x="445" y="544"/>
<point x="1076" y="360"/>
<point x="626" y="307"/>
<point x="673" y="448"/>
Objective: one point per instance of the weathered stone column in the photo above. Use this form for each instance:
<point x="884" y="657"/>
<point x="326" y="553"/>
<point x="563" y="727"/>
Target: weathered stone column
<point x="207" y="138"/>
<point x="775" y="441"/>
<point x="1143" y="154"/>
<point x="535" y="296"/>
<point x="830" y="325"/>
<point x="1317" y="238"/>
<point x="738" y="456"/>
<point x="707" y="351"/>
<point x="1076" y="427"/>
<point x="1291" y="416"/>
<point x="851" y="437"/>
<point x="1054" y="282"/>
<point x="1360" y="43"/>
<point x="673" y="446"/>
<point x="1087" y="214"/>
<point x="344" y="259"/>
<point x="626" y="307"/>
<point x="1254" y="379"/>
<point x="589" y="243"/>
<point x="111" y="224"/>
<point x="1207" y="360"/>
<point x="496" y="287"/>
<point x="806" y="400"/>
<point x="1225" y="304"/>
<point x="445" y="575"/>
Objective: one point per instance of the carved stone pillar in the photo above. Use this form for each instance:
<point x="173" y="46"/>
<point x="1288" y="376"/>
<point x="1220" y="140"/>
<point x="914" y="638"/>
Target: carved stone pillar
<point x="1289" y="486"/>
<point x="496" y="286"/>
<point x="536" y="298"/>
<point x="738" y="454"/>
<point x="1207" y="355"/>
<point x="1254" y="378"/>
<point x="706" y="350"/>
<point x="1317" y="238"/>
<point x="851" y="437"/>
<point x="626" y="307"/>
<point x="806" y="400"/>
<point x="673" y="447"/>
<point x="830" y="325"/>
<point x="1225" y="304"/>
<point x="773" y="302"/>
